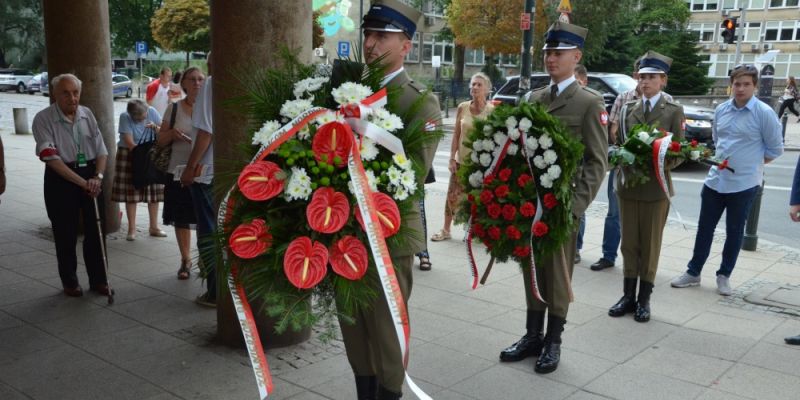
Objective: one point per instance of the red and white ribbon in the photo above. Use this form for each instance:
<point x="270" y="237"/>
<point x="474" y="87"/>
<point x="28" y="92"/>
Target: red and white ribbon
<point x="356" y="116"/>
<point x="660" y="148"/>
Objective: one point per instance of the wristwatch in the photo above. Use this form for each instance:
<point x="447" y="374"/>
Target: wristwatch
<point x="99" y="175"/>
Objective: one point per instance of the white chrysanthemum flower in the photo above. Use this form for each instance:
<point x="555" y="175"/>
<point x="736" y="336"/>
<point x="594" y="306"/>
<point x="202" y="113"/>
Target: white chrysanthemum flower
<point x="550" y="157"/>
<point x="511" y="122"/>
<point x="513" y="134"/>
<point x="554" y="171"/>
<point x="350" y="92"/>
<point x="369" y="150"/>
<point x="304" y="134"/>
<point x="539" y="162"/>
<point x="292" y="108"/>
<point x="488" y="145"/>
<point x="371" y="180"/>
<point x="299" y="185"/>
<point x="500" y="138"/>
<point x="402" y="161"/>
<point x="308" y="85"/>
<point x="546" y="181"/>
<point x="408" y="179"/>
<point x="386" y="120"/>
<point x="485" y="159"/>
<point x="694" y="155"/>
<point x="643" y="136"/>
<point x="525" y="124"/>
<point x="400" y="193"/>
<point x="545" y="142"/>
<point x="327" y="117"/>
<point x="473" y="155"/>
<point x="394" y="175"/>
<point x="477" y="145"/>
<point x="487" y="130"/>
<point x="261" y="137"/>
<point x="476" y="179"/>
<point x="512" y="149"/>
<point x="531" y="144"/>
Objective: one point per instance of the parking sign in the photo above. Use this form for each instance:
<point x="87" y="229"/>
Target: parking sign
<point x="141" y="48"/>
<point x="343" y="49"/>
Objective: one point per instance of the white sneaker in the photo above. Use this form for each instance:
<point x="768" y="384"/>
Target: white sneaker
<point x="685" y="280"/>
<point x="724" y="285"/>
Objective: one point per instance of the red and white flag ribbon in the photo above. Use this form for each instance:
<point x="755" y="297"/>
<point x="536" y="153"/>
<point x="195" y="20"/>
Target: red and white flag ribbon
<point x="660" y="148"/>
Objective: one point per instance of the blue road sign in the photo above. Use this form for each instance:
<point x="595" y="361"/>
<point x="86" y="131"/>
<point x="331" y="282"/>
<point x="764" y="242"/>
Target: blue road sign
<point x="343" y="49"/>
<point x="141" y="48"/>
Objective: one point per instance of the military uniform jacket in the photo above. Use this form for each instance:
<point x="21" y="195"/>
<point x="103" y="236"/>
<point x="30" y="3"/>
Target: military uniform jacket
<point x="583" y="112"/>
<point x="429" y="114"/>
<point x="664" y="115"/>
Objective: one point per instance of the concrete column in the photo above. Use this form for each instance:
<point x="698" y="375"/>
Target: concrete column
<point x="77" y="39"/>
<point x="249" y="34"/>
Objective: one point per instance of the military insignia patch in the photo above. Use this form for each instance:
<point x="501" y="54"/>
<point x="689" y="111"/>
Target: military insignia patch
<point x="604" y="118"/>
<point x="430" y="126"/>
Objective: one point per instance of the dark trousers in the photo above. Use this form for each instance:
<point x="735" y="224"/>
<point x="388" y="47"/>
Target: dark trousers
<point x="65" y="202"/>
<point x="789" y="103"/>
<point x="737" y="207"/>
<point x="203" y="202"/>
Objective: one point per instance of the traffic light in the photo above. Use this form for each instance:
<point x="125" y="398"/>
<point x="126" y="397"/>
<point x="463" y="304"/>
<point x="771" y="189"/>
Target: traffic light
<point x="729" y="29"/>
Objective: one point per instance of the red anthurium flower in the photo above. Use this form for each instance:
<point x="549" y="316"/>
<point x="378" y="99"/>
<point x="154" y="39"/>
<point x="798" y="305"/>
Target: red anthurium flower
<point x="513" y="233"/>
<point x="488" y="179"/>
<point x="540" y="229"/>
<point x="494" y="233"/>
<point x="487" y="196"/>
<point x="494" y="210"/>
<point x="261" y="180"/>
<point x="509" y="212"/>
<point x="528" y="209"/>
<point x="333" y="139"/>
<point x="550" y="200"/>
<point x="523" y="180"/>
<point x="504" y="174"/>
<point x="328" y="210"/>
<point x="250" y="240"/>
<point x="388" y="214"/>
<point x="501" y="191"/>
<point x="349" y="258"/>
<point x="305" y="263"/>
<point x="694" y="143"/>
<point x="522" y="251"/>
<point x="675" y="146"/>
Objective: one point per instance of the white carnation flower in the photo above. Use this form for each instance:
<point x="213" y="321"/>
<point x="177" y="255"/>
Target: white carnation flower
<point x="401" y="161"/>
<point x="554" y="171"/>
<point x="308" y="85"/>
<point x="512" y="149"/>
<point x="539" y="162"/>
<point x="513" y="134"/>
<point x="643" y="136"/>
<point x="369" y="150"/>
<point x="550" y="157"/>
<point x="511" y="122"/>
<point x="545" y="142"/>
<point x="531" y="144"/>
<point x="694" y="155"/>
<point x="496" y="151"/>
<point x="292" y="108"/>
<point x="500" y="138"/>
<point x="350" y="92"/>
<point x="485" y="159"/>
<point x="476" y="179"/>
<point x="474" y="157"/>
<point x="394" y="175"/>
<point x="261" y="137"/>
<point x="488" y="145"/>
<point x="477" y="145"/>
<point x="546" y="181"/>
<point x="487" y="130"/>
<point x="525" y="124"/>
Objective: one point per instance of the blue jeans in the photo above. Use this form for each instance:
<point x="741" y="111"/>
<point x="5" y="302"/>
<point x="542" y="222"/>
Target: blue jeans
<point x="611" y="229"/>
<point x="581" y="230"/>
<point x="737" y="207"/>
<point x="203" y="202"/>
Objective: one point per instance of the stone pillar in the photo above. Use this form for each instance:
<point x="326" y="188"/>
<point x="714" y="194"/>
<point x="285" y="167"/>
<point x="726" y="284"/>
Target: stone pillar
<point x="77" y="41"/>
<point x="249" y="34"/>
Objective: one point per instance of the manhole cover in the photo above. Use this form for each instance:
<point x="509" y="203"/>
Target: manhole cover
<point x="777" y="295"/>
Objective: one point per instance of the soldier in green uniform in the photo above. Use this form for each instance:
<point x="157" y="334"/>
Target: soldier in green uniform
<point x="582" y="110"/>
<point x="371" y="341"/>
<point x="644" y="208"/>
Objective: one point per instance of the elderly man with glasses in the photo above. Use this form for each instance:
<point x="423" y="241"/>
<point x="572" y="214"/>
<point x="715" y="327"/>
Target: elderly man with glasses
<point x="747" y="134"/>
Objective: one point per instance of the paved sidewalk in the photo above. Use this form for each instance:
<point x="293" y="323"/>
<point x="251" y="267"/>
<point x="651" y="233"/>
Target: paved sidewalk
<point x="156" y="344"/>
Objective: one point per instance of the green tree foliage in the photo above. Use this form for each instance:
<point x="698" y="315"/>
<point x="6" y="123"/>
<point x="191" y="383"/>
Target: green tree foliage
<point x="182" y="25"/>
<point x="130" y="22"/>
<point x="21" y="30"/>
<point x="688" y="75"/>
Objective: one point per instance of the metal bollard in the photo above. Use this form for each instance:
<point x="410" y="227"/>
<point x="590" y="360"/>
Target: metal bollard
<point x="21" y="121"/>
<point x="750" y="241"/>
<point x="784" y="122"/>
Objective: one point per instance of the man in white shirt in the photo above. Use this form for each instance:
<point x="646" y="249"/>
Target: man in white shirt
<point x="157" y="94"/>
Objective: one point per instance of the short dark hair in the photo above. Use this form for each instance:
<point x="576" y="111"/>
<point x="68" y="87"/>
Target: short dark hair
<point x="166" y="70"/>
<point x="745" y="70"/>
<point x="581" y="70"/>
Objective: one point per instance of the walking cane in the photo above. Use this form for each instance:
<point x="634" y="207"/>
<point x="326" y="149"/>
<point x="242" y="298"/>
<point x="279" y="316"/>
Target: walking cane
<point x="103" y="249"/>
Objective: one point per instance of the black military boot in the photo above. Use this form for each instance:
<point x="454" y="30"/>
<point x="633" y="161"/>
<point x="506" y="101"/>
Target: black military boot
<point x="386" y="394"/>
<point x="366" y="387"/>
<point x="531" y="344"/>
<point x="627" y="304"/>
<point x="551" y="353"/>
<point x="642" y="313"/>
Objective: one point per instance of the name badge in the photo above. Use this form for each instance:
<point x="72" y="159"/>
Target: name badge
<point x="82" y="160"/>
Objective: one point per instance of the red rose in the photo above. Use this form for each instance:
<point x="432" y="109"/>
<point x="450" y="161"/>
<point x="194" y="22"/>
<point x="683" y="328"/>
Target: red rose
<point x="501" y="191"/>
<point x="478" y="229"/>
<point x="694" y="143"/>
<point x="523" y="180"/>
<point x="540" y="229"/>
<point x="470" y="198"/>
<point x="509" y="212"/>
<point x="487" y="196"/>
<point x="550" y="201"/>
<point x="494" y="210"/>
<point x="504" y="174"/>
<point x="528" y="209"/>
<point x="488" y="179"/>
<point x="473" y="209"/>
<point x="522" y="251"/>
<point x="513" y="233"/>
<point x="494" y="233"/>
<point x="675" y="146"/>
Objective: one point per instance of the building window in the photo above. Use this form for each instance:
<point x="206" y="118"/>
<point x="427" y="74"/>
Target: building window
<point x="757" y="4"/>
<point x="704" y="5"/>
<point x="413" y="55"/>
<point x="427" y="47"/>
<point x="781" y="31"/>
<point x="752" y="32"/>
<point x="729" y="4"/>
<point x="782" y="3"/>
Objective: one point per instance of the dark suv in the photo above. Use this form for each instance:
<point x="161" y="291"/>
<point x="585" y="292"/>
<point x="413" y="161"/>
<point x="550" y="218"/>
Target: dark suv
<point x="698" y="119"/>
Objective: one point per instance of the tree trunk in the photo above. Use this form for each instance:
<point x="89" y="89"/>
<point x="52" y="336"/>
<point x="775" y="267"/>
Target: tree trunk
<point x="458" y="71"/>
<point x="188" y="53"/>
<point x="250" y="34"/>
<point x="539" y="29"/>
<point x="78" y="41"/>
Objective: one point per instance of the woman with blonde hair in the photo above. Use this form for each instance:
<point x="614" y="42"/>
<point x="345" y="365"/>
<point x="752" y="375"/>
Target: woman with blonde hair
<point x="789" y="98"/>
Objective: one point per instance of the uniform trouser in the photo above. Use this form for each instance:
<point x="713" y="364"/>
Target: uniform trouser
<point x="642" y="233"/>
<point x="65" y="202"/>
<point x="371" y="340"/>
<point x="554" y="276"/>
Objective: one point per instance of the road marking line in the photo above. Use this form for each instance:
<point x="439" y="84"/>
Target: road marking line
<point x="692" y="180"/>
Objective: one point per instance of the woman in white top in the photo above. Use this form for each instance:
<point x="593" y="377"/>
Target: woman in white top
<point x="178" y="210"/>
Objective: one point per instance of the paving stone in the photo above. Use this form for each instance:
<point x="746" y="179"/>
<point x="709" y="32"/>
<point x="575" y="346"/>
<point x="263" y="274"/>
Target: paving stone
<point x="422" y="295"/>
<point x="708" y="344"/>
<point x="50" y="308"/>
<point x="759" y="383"/>
<point x="24" y="291"/>
<point x="729" y="325"/>
<point x="677" y="364"/>
<point x="512" y="322"/>
<point x="79" y="326"/>
<point x="502" y="382"/>
<point x="466" y="308"/>
<point x="443" y="366"/>
<point x="427" y="326"/>
<point x="711" y="394"/>
<point x="23" y="260"/>
<point x="624" y="382"/>
<point x="163" y="396"/>
<point x="789" y="327"/>
<point x="499" y="294"/>
<point x="8" y="277"/>
<point x="8" y="321"/>
<point x="9" y="393"/>
<point x="584" y="395"/>
<point x="784" y="359"/>
<point x="442" y="280"/>
<point x="615" y="339"/>
<point x="128" y="344"/>
<point x="575" y="368"/>
<point x="20" y="341"/>
<point x="315" y="374"/>
<point x="159" y="308"/>
<point x="480" y="341"/>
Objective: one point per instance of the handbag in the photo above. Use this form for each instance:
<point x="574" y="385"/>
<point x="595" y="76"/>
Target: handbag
<point x="144" y="170"/>
<point x="161" y="154"/>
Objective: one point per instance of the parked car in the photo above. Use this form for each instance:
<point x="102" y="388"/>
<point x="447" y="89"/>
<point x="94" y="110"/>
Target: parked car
<point x="35" y="83"/>
<point x="45" y="85"/>
<point x="15" y="78"/>
<point x="698" y="119"/>
<point x="122" y="86"/>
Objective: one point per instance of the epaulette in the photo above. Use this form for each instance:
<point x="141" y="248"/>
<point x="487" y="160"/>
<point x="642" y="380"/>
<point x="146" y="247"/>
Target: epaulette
<point x="418" y="86"/>
<point x="592" y="91"/>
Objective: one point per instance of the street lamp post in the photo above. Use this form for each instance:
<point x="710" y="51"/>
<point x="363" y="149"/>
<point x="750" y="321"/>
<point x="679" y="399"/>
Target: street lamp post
<point x="527" y="39"/>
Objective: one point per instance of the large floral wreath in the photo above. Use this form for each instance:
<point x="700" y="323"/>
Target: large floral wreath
<point x="518" y="181"/>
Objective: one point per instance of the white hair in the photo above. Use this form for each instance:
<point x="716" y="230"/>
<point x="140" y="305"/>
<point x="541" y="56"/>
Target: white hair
<point x="71" y="77"/>
<point x="484" y="77"/>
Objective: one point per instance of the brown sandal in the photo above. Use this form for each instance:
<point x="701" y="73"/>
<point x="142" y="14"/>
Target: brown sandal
<point x="185" y="271"/>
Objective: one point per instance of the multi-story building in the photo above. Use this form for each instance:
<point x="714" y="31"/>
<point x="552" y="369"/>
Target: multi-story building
<point x="768" y="25"/>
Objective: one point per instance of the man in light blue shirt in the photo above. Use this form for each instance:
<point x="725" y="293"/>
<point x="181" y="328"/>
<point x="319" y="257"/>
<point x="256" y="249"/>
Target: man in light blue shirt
<point x="747" y="133"/>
